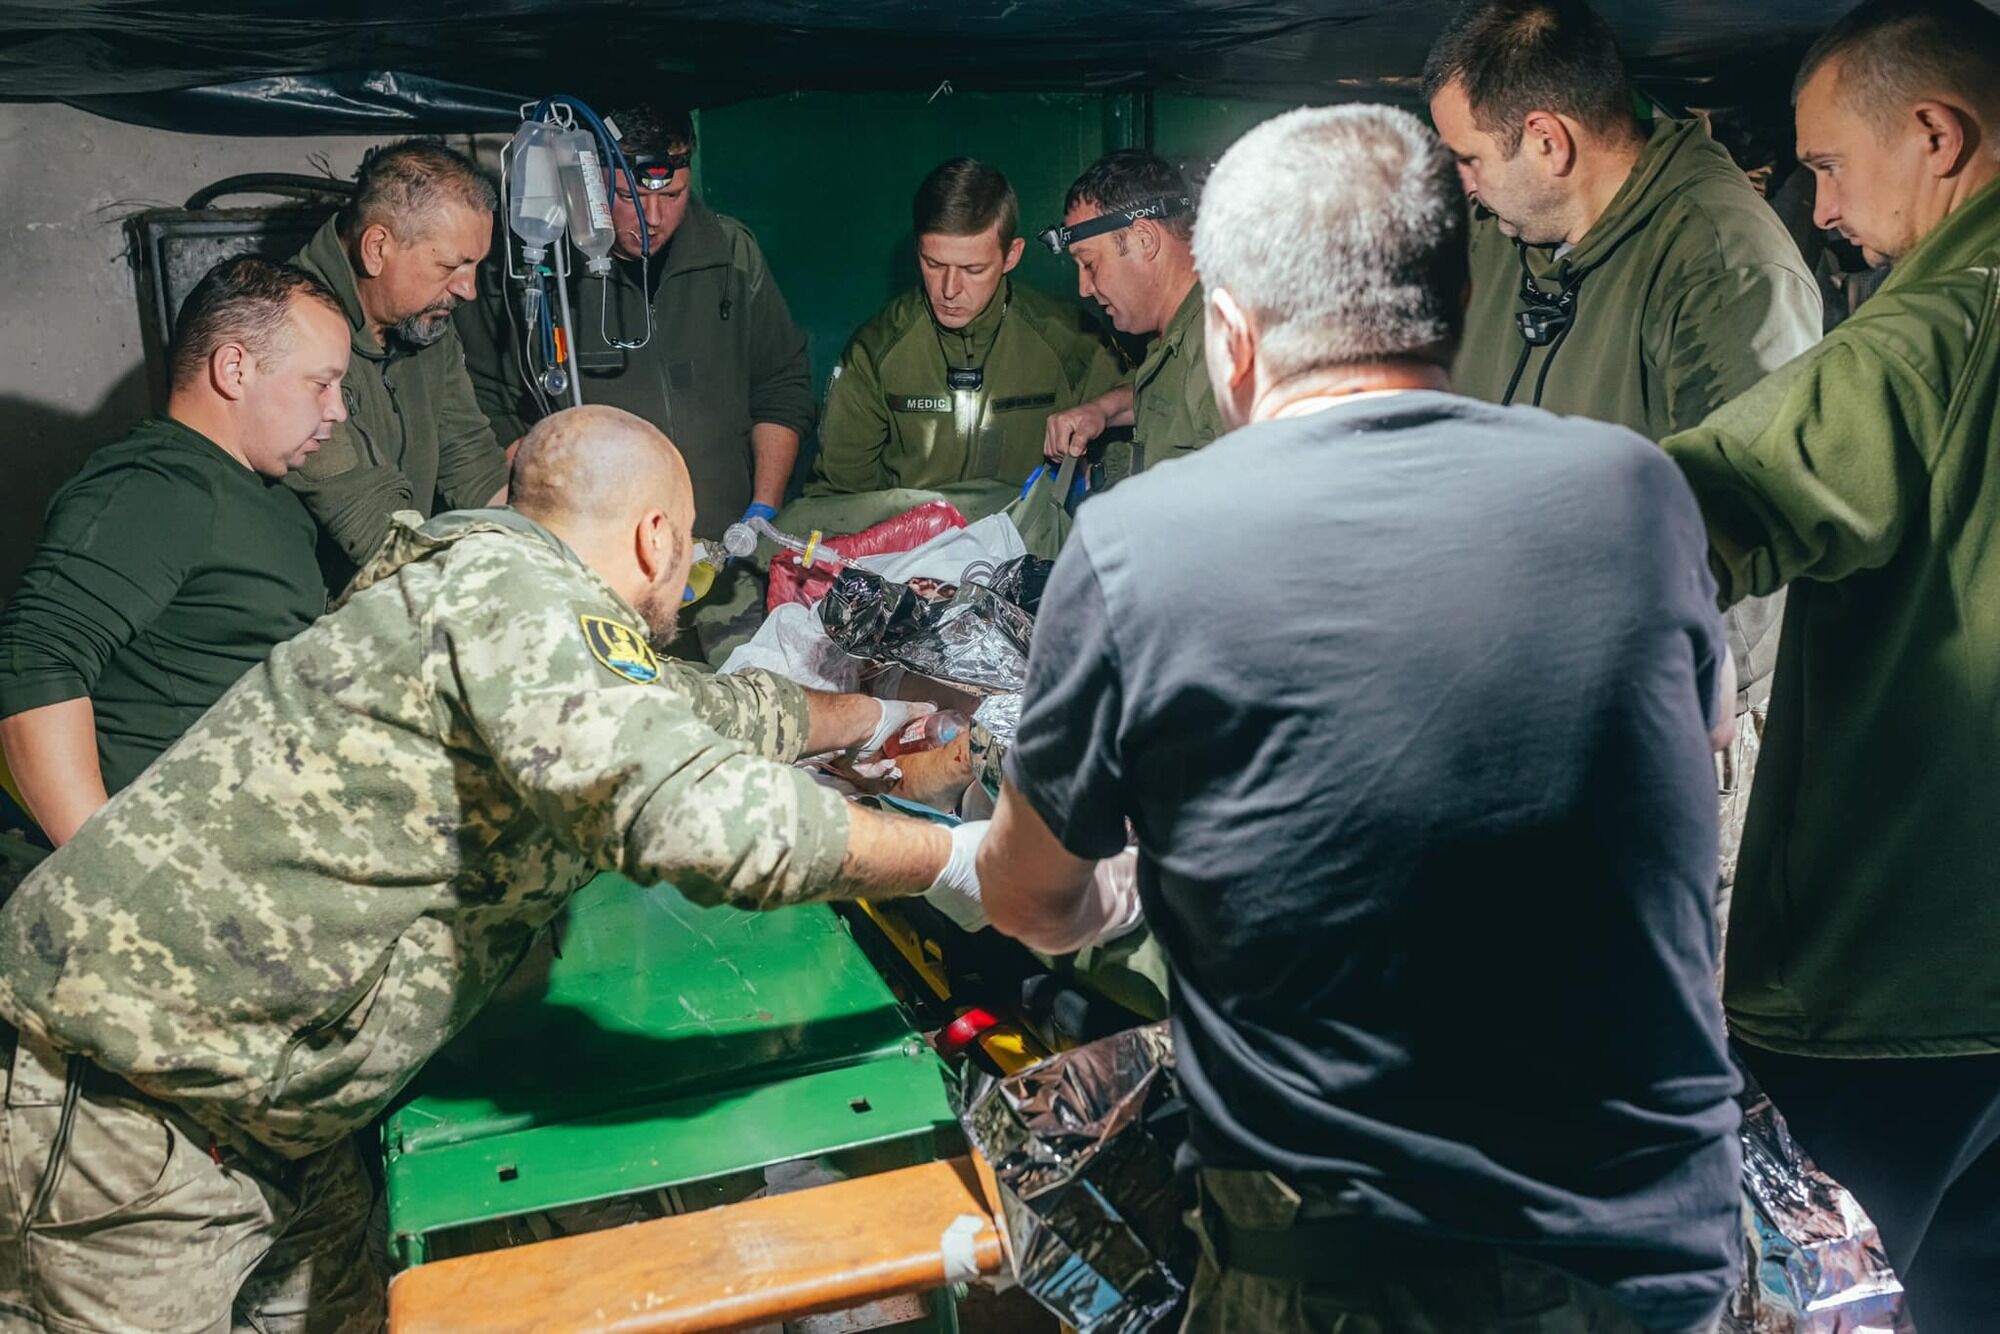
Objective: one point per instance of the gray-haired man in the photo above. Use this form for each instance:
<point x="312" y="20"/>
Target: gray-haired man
<point x="402" y="255"/>
<point x="1431" y="853"/>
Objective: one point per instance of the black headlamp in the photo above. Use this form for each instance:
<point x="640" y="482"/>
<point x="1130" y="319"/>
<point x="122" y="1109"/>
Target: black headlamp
<point x="655" y="171"/>
<point x="1544" y="316"/>
<point x="1060" y="238"/>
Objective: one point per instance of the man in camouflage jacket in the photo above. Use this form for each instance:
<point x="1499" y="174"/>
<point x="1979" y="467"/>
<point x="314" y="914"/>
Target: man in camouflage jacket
<point x="248" y="953"/>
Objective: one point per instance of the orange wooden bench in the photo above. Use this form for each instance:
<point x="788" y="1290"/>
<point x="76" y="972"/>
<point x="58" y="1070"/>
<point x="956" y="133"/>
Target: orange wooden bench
<point x="758" y="1262"/>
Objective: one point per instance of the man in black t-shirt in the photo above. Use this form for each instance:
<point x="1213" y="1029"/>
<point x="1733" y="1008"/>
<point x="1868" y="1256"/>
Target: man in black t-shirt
<point x="1425" y="805"/>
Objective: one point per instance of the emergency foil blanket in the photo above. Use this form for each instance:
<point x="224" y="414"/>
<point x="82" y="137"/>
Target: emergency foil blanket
<point x="1000" y="715"/>
<point x="976" y="639"/>
<point x="1813" y="1263"/>
<point x="1082" y="1146"/>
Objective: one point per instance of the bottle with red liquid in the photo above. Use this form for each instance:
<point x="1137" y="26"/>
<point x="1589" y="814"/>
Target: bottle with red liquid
<point x="927" y="733"/>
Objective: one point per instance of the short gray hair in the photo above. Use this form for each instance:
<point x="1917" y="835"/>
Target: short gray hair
<point x="407" y="185"/>
<point x="1341" y="231"/>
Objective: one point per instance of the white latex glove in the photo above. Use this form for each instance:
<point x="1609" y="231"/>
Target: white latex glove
<point x="955" y="892"/>
<point x="896" y="715"/>
<point x="1117" y="879"/>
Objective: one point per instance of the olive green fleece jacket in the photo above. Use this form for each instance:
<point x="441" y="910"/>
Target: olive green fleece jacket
<point x="1687" y="291"/>
<point x="414" y="438"/>
<point x="1865" y="478"/>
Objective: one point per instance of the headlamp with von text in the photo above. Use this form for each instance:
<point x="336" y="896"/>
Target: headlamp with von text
<point x="655" y="171"/>
<point x="1060" y="238"/>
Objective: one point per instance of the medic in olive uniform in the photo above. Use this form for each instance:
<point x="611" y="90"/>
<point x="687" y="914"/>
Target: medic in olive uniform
<point x="1128" y="222"/>
<point x="956" y="380"/>
<point x="401" y="256"/>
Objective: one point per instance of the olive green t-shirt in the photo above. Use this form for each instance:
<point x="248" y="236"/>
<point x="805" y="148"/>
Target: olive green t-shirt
<point x="167" y="569"/>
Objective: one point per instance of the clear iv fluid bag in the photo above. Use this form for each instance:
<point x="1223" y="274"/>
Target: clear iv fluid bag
<point x="590" y="229"/>
<point x="534" y="189"/>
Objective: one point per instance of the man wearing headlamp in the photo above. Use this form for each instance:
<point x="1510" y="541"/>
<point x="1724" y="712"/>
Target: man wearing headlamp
<point x="688" y="332"/>
<point x="1129" y="224"/>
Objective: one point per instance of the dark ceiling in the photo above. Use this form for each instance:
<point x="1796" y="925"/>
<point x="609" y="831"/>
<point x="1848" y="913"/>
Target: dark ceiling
<point x="282" y="66"/>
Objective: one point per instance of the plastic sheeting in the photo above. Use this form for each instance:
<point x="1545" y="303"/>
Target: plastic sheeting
<point x="370" y="102"/>
<point x="374" y="64"/>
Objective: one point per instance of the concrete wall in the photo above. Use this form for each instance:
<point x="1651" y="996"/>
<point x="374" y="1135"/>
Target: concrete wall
<point x="72" y="371"/>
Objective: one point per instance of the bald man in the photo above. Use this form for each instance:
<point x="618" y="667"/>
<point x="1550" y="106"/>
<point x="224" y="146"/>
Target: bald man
<point x="249" y="952"/>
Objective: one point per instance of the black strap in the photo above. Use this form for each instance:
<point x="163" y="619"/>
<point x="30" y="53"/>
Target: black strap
<point x="1059" y="238"/>
<point x="1549" y="359"/>
<point x="1514" y="380"/>
<point x="1556" y="309"/>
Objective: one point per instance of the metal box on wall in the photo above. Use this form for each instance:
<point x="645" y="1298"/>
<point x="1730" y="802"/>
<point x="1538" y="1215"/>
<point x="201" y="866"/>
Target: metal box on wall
<point x="173" y="247"/>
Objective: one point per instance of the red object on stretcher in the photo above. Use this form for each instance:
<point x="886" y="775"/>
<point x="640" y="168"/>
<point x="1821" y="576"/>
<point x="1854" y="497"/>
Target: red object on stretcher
<point x="957" y="1037"/>
<point x="792" y="582"/>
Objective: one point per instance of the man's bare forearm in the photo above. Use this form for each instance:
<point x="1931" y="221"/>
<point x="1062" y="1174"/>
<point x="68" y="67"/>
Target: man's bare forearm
<point x="1033" y="889"/>
<point x="52" y="754"/>
<point x="889" y="856"/>
<point x="1116" y="405"/>
<point x="774" y="450"/>
<point x="839" y="722"/>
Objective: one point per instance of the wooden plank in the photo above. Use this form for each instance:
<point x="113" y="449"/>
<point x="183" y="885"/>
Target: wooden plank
<point x="758" y="1262"/>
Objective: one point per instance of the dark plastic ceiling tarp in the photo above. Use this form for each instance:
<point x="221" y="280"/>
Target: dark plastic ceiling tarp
<point x="286" y="66"/>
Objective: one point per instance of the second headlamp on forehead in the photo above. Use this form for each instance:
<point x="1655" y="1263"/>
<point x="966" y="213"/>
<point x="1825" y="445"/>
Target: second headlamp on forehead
<point x="1059" y="238"/>
<point x="655" y="171"/>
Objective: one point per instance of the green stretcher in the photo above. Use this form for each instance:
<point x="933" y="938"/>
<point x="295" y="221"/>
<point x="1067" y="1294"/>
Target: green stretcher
<point x="667" y="1058"/>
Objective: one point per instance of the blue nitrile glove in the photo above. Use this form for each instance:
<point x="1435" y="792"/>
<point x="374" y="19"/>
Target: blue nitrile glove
<point x="1079" y="485"/>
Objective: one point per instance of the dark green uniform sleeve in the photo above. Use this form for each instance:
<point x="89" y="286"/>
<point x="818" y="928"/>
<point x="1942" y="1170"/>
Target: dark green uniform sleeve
<point x="471" y="464"/>
<point x="1816" y="472"/>
<point x="350" y="493"/>
<point x="780" y="376"/>
<point x="117" y="550"/>
<point x="855" y="430"/>
<point x="629" y="775"/>
<point x="1729" y="332"/>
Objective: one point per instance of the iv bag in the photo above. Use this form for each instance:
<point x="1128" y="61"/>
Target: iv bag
<point x="534" y="191"/>
<point x="590" y="228"/>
